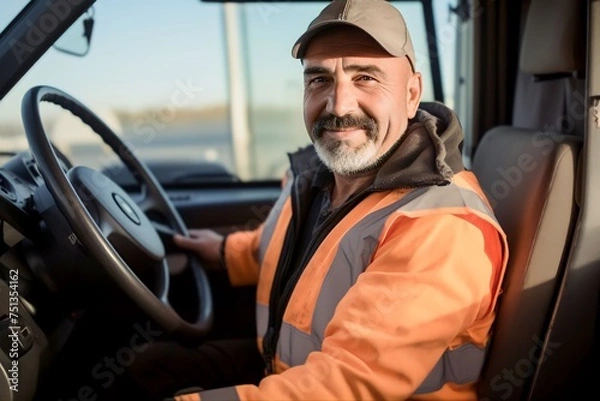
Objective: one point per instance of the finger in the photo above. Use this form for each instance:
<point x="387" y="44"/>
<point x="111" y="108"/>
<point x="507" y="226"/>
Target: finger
<point x="196" y="232"/>
<point x="184" y="242"/>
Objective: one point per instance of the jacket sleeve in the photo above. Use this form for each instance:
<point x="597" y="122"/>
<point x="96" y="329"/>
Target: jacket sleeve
<point x="241" y="256"/>
<point x="431" y="279"/>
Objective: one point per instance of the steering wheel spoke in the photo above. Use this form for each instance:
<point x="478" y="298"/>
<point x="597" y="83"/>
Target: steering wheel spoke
<point x="108" y="229"/>
<point x="146" y="201"/>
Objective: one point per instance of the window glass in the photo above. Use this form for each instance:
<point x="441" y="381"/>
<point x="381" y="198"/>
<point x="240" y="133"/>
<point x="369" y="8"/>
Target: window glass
<point x="9" y="10"/>
<point x="194" y="81"/>
<point x="155" y="72"/>
<point x="448" y="31"/>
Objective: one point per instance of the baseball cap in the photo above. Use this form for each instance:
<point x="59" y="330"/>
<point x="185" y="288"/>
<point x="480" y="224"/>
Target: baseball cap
<point x="377" y="18"/>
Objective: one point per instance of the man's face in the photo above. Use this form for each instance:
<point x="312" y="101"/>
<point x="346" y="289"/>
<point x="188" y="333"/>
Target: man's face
<point x="357" y="99"/>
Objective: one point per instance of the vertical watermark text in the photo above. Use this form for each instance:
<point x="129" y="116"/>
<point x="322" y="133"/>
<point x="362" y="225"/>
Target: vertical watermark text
<point x="14" y="329"/>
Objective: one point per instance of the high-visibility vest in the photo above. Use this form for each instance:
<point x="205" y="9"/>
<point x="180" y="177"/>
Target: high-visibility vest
<point x="396" y="302"/>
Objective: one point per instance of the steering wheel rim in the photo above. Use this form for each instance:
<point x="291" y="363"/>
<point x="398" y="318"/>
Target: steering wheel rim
<point x="91" y="235"/>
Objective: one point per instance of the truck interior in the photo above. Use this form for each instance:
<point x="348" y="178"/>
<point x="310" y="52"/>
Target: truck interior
<point x="183" y="112"/>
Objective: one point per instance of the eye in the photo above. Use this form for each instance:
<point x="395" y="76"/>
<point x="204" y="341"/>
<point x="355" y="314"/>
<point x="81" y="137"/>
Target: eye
<point x="365" y="78"/>
<point x="316" y="81"/>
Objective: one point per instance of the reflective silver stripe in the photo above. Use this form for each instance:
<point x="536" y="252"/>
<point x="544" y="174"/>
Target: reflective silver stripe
<point x="271" y="221"/>
<point x="461" y="366"/>
<point x="294" y="346"/>
<point x="262" y="319"/>
<point x="220" y="394"/>
<point x="449" y="196"/>
<point x="356" y="248"/>
<point x="262" y="311"/>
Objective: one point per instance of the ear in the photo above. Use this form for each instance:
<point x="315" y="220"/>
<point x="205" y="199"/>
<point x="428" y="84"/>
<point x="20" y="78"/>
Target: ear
<point x="413" y="93"/>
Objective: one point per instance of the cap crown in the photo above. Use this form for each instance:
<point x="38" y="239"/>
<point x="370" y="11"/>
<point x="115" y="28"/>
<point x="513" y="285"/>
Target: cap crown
<point x="378" y="18"/>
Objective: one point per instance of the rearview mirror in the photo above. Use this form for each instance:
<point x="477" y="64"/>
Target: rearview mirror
<point x="76" y="40"/>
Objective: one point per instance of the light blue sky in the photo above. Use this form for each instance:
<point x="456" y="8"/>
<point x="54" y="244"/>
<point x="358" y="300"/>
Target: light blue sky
<point x="142" y="51"/>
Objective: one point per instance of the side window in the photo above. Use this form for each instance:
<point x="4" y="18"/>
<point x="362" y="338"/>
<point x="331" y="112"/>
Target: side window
<point x="200" y="82"/>
<point x="156" y="73"/>
<point x="274" y="79"/>
<point x="275" y="82"/>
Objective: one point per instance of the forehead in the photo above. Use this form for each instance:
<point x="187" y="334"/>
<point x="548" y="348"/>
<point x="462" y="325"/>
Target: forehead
<point x="343" y="42"/>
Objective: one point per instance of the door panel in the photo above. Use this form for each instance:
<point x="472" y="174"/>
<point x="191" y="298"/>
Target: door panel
<point x="241" y="207"/>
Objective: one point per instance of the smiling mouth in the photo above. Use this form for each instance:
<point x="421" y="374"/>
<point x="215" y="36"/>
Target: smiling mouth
<point x="343" y="133"/>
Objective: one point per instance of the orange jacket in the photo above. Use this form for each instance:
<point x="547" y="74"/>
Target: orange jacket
<point x="397" y="298"/>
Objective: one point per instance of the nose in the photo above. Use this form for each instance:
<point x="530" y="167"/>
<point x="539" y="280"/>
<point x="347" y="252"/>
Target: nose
<point x="342" y="99"/>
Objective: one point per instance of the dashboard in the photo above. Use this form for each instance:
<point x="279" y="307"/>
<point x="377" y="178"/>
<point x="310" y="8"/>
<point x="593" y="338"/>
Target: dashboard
<point x="22" y="341"/>
<point x="19" y="179"/>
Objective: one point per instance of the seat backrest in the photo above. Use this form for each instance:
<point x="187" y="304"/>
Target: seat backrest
<point x="529" y="177"/>
<point x="529" y="172"/>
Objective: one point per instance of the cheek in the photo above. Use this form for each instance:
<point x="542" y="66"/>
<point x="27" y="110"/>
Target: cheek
<point x="396" y="126"/>
<point x="398" y="113"/>
<point x="385" y="111"/>
<point x="308" y="120"/>
<point x="392" y="123"/>
<point x="311" y="112"/>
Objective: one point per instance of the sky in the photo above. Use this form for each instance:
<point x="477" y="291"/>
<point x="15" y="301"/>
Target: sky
<point x="144" y="52"/>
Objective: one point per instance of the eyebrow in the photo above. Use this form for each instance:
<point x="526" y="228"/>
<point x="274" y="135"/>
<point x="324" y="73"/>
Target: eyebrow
<point x="369" y="69"/>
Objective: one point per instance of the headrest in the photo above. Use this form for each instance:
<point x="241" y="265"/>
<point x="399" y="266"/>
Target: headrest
<point x="554" y="38"/>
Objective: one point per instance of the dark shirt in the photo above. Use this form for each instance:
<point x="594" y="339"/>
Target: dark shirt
<point x="320" y="209"/>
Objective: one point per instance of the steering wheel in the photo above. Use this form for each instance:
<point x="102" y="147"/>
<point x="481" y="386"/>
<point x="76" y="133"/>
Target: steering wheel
<point x="112" y="227"/>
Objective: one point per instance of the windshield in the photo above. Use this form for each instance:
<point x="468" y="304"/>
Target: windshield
<point x="9" y="10"/>
<point x="188" y="80"/>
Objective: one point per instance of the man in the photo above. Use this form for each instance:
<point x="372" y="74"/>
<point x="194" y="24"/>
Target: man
<point x="379" y="267"/>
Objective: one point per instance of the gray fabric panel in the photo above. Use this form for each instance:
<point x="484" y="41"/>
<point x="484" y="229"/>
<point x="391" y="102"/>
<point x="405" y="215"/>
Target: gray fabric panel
<point x="462" y="365"/>
<point x="294" y="346"/>
<point x="262" y="319"/>
<point x="271" y="221"/>
<point x="220" y="394"/>
<point x="539" y="104"/>
<point x="262" y="312"/>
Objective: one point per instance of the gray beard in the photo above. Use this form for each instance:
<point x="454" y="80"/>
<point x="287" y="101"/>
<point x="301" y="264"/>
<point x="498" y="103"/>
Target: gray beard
<point x="348" y="161"/>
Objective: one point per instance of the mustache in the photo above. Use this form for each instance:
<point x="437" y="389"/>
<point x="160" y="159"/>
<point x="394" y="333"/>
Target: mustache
<point x="334" y="123"/>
